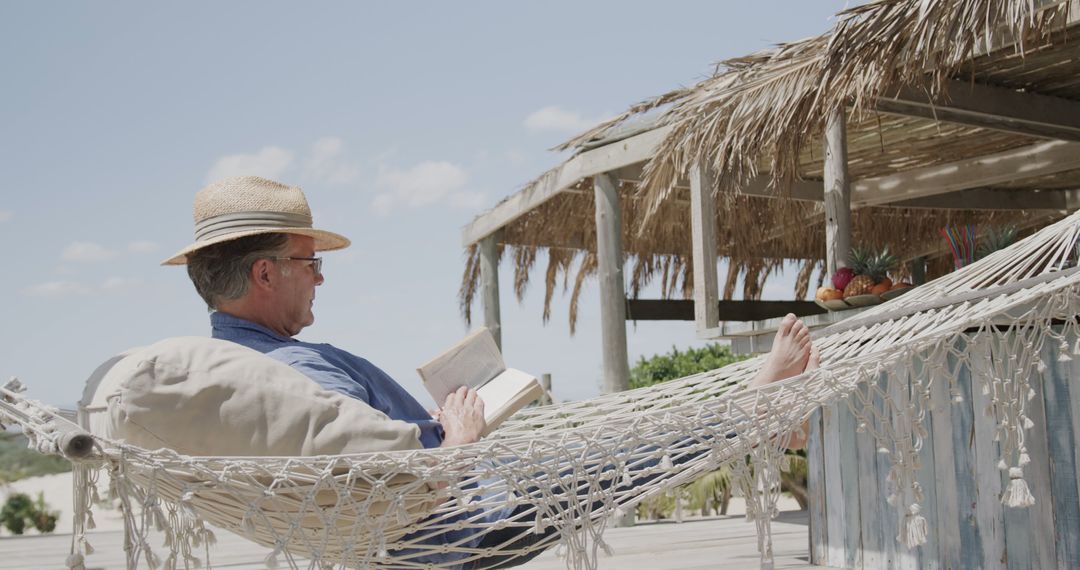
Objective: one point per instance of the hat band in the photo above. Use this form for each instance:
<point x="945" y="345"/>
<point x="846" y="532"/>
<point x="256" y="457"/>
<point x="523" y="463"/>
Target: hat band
<point x="235" y="222"/>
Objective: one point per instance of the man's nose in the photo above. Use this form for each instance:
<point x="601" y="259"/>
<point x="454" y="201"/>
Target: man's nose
<point x="319" y="278"/>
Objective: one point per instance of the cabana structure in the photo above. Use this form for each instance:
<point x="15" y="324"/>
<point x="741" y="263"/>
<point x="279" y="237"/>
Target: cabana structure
<point x="906" y="117"/>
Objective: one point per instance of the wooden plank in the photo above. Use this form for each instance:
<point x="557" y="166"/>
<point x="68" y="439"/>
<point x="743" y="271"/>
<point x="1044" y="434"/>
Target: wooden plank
<point x="945" y="473"/>
<point x="996" y="199"/>
<point x="989" y="107"/>
<point x="703" y="238"/>
<point x="874" y="536"/>
<point x="815" y="487"/>
<point x="888" y="516"/>
<point x="849" y="483"/>
<point x="1029" y="531"/>
<point x="489" y="291"/>
<point x="1058" y="389"/>
<point x="609" y="261"/>
<point x="1027" y="162"/>
<point x="964" y="466"/>
<point x="927" y="556"/>
<point x="628" y="151"/>
<point x="988" y="509"/>
<point x="837" y="193"/>
<point x="835" y="509"/>
<point x="683" y="310"/>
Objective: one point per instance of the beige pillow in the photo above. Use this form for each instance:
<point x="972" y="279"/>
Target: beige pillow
<point x="203" y="396"/>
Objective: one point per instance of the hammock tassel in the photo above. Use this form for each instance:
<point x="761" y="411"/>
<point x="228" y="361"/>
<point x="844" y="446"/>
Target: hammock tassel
<point x="1017" y="494"/>
<point x="608" y="551"/>
<point x="76" y="562"/>
<point x="914" y="529"/>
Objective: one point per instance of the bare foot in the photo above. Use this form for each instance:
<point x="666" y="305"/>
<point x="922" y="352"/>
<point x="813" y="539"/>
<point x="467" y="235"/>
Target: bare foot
<point x="798" y="438"/>
<point x="790" y="353"/>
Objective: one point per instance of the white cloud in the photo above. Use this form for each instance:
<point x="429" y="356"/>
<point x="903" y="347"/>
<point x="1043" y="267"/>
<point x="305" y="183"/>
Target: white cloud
<point x="119" y="284"/>
<point x="86" y="252"/>
<point x="424" y="184"/>
<point x="142" y="246"/>
<point x="269" y="162"/>
<point x="325" y="163"/>
<point x="468" y="200"/>
<point x="6" y="215"/>
<point x="57" y="289"/>
<point x="555" y="118"/>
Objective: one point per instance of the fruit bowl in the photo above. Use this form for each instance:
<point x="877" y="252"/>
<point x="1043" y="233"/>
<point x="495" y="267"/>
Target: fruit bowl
<point x="833" y="304"/>
<point x="889" y="295"/>
<point x="862" y="300"/>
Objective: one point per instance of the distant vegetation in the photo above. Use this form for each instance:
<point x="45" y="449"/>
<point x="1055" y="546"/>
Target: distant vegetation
<point x="711" y="493"/>
<point x="19" y="462"/>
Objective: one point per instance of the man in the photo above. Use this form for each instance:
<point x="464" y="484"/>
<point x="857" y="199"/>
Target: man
<point x="254" y="263"/>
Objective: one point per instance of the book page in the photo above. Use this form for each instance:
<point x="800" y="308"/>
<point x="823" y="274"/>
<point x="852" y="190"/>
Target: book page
<point x="507" y="393"/>
<point x="472" y="362"/>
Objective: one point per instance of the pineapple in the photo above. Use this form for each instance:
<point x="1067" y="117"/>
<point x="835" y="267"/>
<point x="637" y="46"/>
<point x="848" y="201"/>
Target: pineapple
<point x="993" y="240"/>
<point x="869" y="268"/>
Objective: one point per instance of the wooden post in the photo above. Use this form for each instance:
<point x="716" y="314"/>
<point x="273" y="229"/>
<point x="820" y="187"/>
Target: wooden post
<point x="837" y="193"/>
<point x="489" y="277"/>
<point x="609" y="262"/>
<point x="703" y="236"/>
<point x="918" y="271"/>
<point x="545" y="382"/>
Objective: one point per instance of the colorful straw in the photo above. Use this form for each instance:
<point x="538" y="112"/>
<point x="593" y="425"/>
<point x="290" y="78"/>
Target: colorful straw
<point x="962" y="242"/>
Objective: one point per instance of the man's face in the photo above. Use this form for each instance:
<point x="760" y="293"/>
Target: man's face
<point x="297" y="280"/>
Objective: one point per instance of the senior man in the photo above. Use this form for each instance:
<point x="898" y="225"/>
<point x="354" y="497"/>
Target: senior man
<point x="254" y="263"/>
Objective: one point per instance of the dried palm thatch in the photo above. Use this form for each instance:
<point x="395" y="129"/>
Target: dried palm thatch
<point x="764" y="114"/>
<point x="766" y="108"/>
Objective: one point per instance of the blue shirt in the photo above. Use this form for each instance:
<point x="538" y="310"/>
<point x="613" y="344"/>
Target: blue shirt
<point x="333" y="369"/>
<point x="339" y="371"/>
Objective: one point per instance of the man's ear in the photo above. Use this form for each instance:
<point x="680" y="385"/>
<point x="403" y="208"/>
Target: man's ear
<point x="262" y="274"/>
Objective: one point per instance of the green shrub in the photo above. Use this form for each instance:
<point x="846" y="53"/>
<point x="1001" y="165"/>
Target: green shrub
<point x="19" y="511"/>
<point x="710" y="493"/>
<point x="19" y="462"/>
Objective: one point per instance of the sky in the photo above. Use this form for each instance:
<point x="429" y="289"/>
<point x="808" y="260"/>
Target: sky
<point x="400" y="120"/>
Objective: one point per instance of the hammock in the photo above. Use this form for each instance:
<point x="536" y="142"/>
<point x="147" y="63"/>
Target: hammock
<point x="563" y="470"/>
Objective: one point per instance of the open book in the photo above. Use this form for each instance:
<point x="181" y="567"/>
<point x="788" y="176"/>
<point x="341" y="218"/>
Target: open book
<point x="476" y="362"/>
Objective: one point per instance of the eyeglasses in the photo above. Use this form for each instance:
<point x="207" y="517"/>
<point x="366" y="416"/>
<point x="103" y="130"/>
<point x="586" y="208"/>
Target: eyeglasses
<point x="316" y="262"/>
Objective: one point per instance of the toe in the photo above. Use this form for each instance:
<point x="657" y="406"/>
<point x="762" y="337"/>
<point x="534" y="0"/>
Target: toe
<point x="786" y="325"/>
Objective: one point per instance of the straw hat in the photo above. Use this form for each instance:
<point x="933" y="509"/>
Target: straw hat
<point x="248" y="205"/>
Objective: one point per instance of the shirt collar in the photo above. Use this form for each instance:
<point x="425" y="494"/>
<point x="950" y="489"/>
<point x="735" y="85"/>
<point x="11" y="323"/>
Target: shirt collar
<point x="223" y="322"/>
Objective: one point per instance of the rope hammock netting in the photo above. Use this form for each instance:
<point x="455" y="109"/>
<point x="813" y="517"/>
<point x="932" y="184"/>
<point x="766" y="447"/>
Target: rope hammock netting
<point x="556" y="474"/>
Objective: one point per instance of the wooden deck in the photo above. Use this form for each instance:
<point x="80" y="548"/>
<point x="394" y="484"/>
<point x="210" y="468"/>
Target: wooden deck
<point x="728" y="543"/>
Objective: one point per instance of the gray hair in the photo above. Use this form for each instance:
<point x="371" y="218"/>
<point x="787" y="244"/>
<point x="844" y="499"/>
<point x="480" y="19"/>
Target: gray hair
<point x="221" y="272"/>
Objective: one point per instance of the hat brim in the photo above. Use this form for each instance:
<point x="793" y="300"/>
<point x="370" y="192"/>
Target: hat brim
<point x="324" y="241"/>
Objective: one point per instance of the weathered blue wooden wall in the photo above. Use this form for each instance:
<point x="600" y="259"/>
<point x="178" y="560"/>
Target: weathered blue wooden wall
<point x="852" y="526"/>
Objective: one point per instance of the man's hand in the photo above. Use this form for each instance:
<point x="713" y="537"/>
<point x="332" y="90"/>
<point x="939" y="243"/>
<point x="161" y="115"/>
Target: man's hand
<point x="462" y="417"/>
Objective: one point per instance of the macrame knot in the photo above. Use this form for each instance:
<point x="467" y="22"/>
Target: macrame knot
<point x="76" y="562"/>
<point x="665" y="462"/>
<point x="1017" y="494"/>
<point x="913" y="532"/>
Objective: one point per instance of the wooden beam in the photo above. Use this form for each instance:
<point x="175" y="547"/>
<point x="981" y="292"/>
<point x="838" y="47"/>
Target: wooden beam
<point x="996" y="199"/>
<point x="489" y="278"/>
<point x="609" y="262"/>
<point x="837" y="193"/>
<point x="989" y="107"/>
<point x="1027" y="162"/>
<point x="637" y="148"/>
<point x="703" y="238"/>
<point x="684" y="310"/>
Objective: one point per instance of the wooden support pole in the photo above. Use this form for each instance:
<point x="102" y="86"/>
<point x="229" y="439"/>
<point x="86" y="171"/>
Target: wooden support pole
<point x="609" y="262"/>
<point x="489" y="277"/>
<point x="703" y="236"/>
<point x="837" y="192"/>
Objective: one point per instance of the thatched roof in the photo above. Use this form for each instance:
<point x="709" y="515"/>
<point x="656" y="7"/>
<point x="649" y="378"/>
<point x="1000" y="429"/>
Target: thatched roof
<point x="764" y="114"/>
